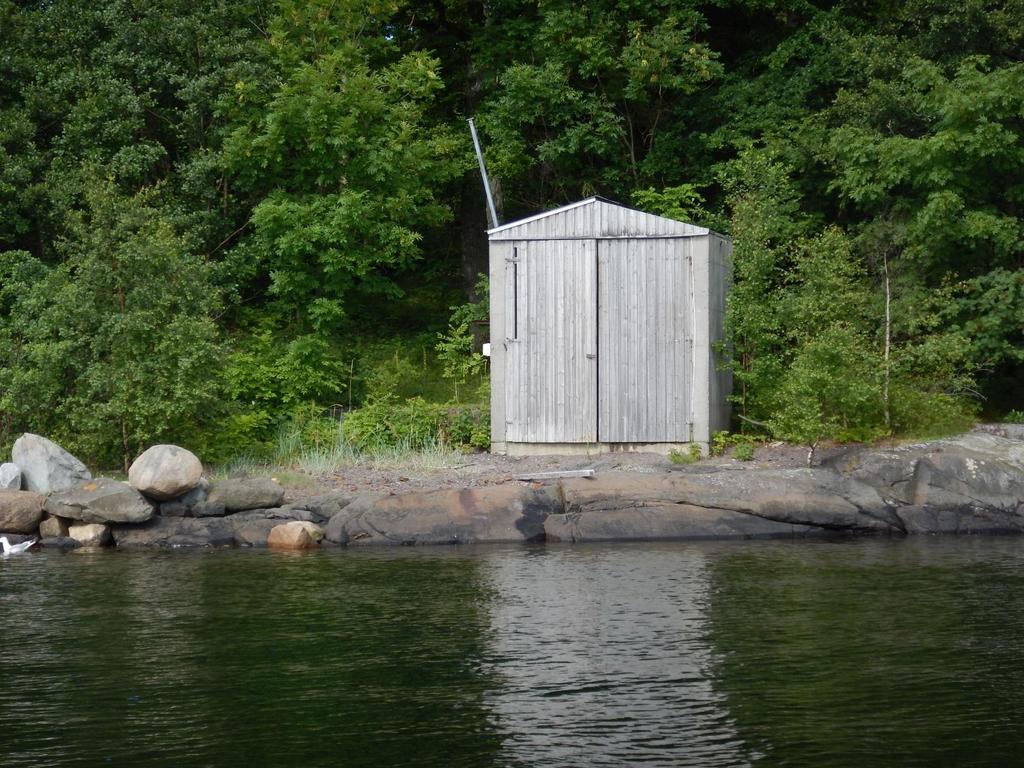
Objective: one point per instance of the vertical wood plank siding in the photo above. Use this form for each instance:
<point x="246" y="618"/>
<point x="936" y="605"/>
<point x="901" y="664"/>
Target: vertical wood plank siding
<point x="551" y="383"/>
<point x="498" y="254"/>
<point x="645" y="340"/>
<point x="618" y="314"/>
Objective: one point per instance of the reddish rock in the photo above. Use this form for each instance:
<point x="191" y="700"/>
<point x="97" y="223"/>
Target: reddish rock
<point x="298" y="534"/>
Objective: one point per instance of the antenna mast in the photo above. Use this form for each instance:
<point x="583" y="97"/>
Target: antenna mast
<point x="483" y="173"/>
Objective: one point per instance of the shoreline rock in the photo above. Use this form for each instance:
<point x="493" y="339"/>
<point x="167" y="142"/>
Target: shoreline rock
<point x="240" y="494"/>
<point x="165" y="472"/>
<point x="45" y="466"/>
<point x="100" y="501"/>
<point x="972" y="484"/>
<point x="20" y="511"/>
<point x="10" y="477"/>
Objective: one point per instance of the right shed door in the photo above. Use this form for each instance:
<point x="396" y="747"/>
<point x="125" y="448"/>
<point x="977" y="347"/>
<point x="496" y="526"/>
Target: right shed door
<point x="645" y="340"/>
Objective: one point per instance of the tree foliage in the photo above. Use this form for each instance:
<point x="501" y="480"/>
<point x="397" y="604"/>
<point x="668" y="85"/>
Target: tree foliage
<point x="211" y="211"/>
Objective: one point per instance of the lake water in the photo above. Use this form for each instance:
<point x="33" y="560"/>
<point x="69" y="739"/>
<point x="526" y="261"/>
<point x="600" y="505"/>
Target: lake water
<point x="856" y="653"/>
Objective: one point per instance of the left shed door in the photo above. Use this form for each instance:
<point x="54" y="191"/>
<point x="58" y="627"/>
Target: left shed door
<point x="551" y="365"/>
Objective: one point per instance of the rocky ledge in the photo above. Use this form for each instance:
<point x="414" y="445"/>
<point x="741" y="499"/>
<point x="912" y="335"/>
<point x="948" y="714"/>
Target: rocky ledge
<point x="972" y="484"/>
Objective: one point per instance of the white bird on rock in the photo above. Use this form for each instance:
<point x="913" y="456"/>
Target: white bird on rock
<point x="14" y="549"/>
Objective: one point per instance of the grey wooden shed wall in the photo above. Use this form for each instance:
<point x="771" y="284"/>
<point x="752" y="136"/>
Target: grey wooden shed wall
<point x="603" y="326"/>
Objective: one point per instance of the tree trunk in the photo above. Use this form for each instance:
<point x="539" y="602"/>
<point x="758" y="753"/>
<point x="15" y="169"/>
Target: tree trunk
<point x="810" y="453"/>
<point x="888" y="338"/>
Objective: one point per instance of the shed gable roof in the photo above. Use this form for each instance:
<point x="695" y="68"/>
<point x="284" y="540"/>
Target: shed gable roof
<point x="594" y="217"/>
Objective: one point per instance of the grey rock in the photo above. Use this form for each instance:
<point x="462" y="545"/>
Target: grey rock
<point x="675" y="522"/>
<point x="802" y="497"/>
<point x="21" y="511"/>
<point x="10" y="477"/>
<point x="1011" y="431"/>
<point x="326" y="506"/>
<point x="300" y="513"/>
<point x="252" y="532"/>
<point x="208" y="509"/>
<point x="164" y="472"/>
<point x="45" y="466"/>
<point x="100" y="501"/>
<point x="238" y="494"/>
<point x="53" y="527"/>
<point x="197" y="495"/>
<point x="90" y="534"/>
<point x="976" y="471"/>
<point x="175" y="532"/>
<point x="972" y="484"/>
<point x="59" y="542"/>
<point x="174" y="509"/>
<point x="498" y="513"/>
<point x="194" y="532"/>
<point x="929" y="520"/>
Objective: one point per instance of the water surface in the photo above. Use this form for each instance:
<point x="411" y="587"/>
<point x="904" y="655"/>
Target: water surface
<point x="854" y="653"/>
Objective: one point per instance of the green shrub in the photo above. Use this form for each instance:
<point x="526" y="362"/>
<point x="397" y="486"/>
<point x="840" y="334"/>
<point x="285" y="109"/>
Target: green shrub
<point x="743" y="451"/>
<point x="416" y="424"/>
<point x="921" y="415"/>
<point x="719" y="442"/>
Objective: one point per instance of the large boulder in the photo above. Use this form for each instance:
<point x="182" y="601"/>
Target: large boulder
<point x="20" y="511"/>
<point x="100" y="501"/>
<point x="10" y="477"/>
<point x="238" y="494"/>
<point x="296" y="534"/>
<point x="165" y="472"/>
<point x="90" y="534"/>
<point x="45" y="466"/>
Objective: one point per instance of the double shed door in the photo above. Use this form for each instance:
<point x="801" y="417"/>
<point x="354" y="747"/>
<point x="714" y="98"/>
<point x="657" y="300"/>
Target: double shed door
<point x="599" y="340"/>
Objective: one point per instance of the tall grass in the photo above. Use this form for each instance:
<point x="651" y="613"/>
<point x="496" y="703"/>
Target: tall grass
<point x="323" y="450"/>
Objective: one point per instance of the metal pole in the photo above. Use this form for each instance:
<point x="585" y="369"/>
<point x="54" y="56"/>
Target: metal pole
<point x="483" y="173"/>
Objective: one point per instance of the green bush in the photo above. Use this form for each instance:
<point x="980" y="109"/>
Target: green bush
<point x="743" y="451"/>
<point x="415" y="424"/>
<point x="719" y="442"/>
<point x="922" y="415"/>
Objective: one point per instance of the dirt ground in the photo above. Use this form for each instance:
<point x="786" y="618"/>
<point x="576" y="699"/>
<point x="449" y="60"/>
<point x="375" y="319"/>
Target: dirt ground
<point x="478" y="469"/>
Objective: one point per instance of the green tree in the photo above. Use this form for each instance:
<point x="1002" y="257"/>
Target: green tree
<point x="116" y="347"/>
<point x="349" y="162"/>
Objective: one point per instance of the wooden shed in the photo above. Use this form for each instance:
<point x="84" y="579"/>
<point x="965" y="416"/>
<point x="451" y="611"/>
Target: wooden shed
<point x="604" y="322"/>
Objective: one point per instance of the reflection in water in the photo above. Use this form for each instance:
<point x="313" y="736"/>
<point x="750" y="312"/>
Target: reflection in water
<point x="763" y="653"/>
<point x="603" y="658"/>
